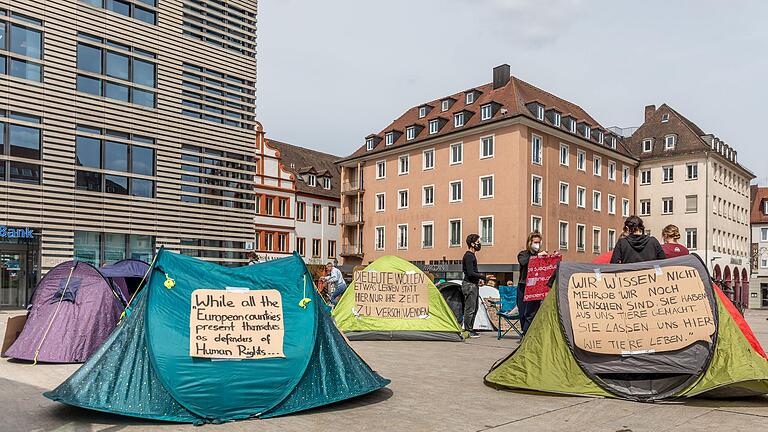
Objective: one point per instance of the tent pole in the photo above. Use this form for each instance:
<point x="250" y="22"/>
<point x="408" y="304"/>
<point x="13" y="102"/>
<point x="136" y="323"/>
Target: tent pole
<point x="58" y="305"/>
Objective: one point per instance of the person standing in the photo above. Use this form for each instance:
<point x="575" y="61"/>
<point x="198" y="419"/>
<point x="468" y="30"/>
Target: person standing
<point x="636" y="246"/>
<point x="670" y="235"/>
<point x="527" y="310"/>
<point x="252" y="258"/>
<point x="469" y="284"/>
<point x="334" y="281"/>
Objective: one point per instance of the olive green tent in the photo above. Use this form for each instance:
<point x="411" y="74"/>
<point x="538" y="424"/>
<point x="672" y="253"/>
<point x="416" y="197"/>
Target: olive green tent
<point x="438" y="324"/>
<point x="552" y="356"/>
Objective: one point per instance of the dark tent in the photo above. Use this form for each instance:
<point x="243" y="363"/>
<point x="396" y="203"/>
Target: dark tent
<point x="125" y="276"/>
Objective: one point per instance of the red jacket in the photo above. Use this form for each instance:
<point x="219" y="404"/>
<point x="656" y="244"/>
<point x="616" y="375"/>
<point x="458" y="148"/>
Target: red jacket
<point x="674" y="249"/>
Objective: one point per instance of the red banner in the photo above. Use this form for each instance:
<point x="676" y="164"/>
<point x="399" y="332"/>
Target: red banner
<point x="540" y="269"/>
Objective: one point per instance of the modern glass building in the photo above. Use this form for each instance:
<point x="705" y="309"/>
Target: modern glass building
<point x="125" y="125"/>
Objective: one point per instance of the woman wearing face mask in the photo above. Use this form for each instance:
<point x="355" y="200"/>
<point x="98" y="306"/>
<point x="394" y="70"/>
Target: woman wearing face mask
<point x="469" y="286"/>
<point x="527" y="310"/>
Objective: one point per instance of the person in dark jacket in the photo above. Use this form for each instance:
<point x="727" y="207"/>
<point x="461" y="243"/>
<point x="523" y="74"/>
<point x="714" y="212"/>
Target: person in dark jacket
<point x="527" y="310"/>
<point x="636" y="246"/>
<point x="469" y="285"/>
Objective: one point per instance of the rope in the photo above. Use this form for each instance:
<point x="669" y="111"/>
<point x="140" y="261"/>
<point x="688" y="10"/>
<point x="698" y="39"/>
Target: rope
<point x="138" y="288"/>
<point x="305" y="299"/>
<point x="58" y="305"/>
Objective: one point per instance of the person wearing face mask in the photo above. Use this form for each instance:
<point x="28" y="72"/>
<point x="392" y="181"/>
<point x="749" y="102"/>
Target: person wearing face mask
<point x="469" y="285"/>
<point x="527" y="310"/>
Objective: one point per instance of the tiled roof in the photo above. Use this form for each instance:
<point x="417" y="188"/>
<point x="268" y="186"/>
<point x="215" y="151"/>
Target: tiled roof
<point x="509" y="100"/>
<point x="689" y="136"/>
<point x="300" y="160"/>
<point x="759" y="195"/>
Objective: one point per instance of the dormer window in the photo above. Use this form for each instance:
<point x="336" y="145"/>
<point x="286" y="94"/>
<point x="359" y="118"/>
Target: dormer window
<point x="445" y="105"/>
<point x="389" y="138"/>
<point x="647" y="145"/>
<point x="600" y="137"/>
<point x="587" y="132"/>
<point x="556" y="118"/>
<point x="410" y="133"/>
<point x="369" y="144"/>
<point x="664" y="118"/>
<point x="326" y="183"/>
<point x="311" y="180"/>
<point x="572" y="125"/>
<point x="422" y="112"/>
<point x="669" y="142"/>
<point x="458" y="120"/>
<point x="612" y="142"/>
<point x="486" y="112"/>
<point x="469" y="97"/>
<point x="434" y="126"/>
<point x="539" y="111"/>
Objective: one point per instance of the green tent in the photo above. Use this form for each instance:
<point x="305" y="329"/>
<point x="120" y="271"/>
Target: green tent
<point x="438" y="324"/>
<point x="147" y="368"/>
<point x="556" y="356"/>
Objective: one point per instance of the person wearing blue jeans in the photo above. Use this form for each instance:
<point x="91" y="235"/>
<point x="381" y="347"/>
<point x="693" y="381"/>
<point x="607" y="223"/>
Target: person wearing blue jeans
<point x="336" y="281"/>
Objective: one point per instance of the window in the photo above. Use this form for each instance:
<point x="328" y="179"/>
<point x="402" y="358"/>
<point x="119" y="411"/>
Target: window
<point x="563" y="193"/>
<point x="379" y="238"/>
<point x="404" y="165"/>
<point x="381" y="170"/>
<point x="597" y="167"/>
<point x="311" y="180"/>
<point x="581" y="234"/>
<point x="457" y="153"/>
<point x="647" y="145"/>
<point x="581" y="197"/>
<point x="625" y="207"/>
<point x="536" y="149"/>
<point x="402" y="237"/>
<point x="486" y="230"/>
<point x="600" y="137"/>
<point x="454" y="232"/>
<point x="22" y="41"/>
<point x="469" y="98"/>
<point x="282" y="242"/>
<point x="486" y="187"/>
<point x="458" y="119"/>
<point x="402" y="199"/>
<point x="611" y="204"/>
<point x="331" y="215"/>
<point x="536" y="190"/>
<point x="664" y="118"/>
<point x="625" y="174"/>
<point x="669" y="174"/>
<point x="611" y="239"/>
<point x="596" y="201"/>
<point x="427" y="235"/>
<point x="422" y="112"/>
<point x="380" y="202"/>
<point x="317" y="246"/>
<point x="331" y="249"/>
<point x="487" y="147"/>
<point x="301" y="211"/>
<point x="536" y="224"/>
<point x="317" y="213"/>
<point x="667" y="205"/>
<point x="596" y="234"/>
<point x="764" y="234"/>
<point x="428" y="158"/>
<point x="691" y="238"/>
<point x="428" y="195"/>
<point x="556" y="118"/>
<point x="455" y="191"/>
<point x="486" y="112"/>
<point x="563" y="233"/>
<point x="645" y="177"/>
<point x="691" y="203"/>
<point x="434" y="126"/>
<point x="410" y="133"/>
<point x="301" y="246"/>
<point x="538" y="110"/>
<point x="24" y="141"/>
<point x="369" y="143"/>
<point x="612" y="170"/>
<point x="645" y="207"/>
<point x="389" y="138"/>
<point x="327" y="183"/>
<point x="581" y="160"/>
<point x="269" y="206"/>
<point x="692" y="171"/>
<point x="282" y="207"/>
<point x="445" y="105"/>
<point x="669" y="142"/>
<point x="564" y="154"/>
<point x="572" y="125"/>
<point x="587" y="132"/>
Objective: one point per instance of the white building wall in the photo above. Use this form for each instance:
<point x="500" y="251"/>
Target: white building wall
<point x="323" y="230"/>
<point x="758" y="282"/>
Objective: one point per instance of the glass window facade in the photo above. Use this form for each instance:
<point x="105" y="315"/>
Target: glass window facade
<point x="21" y="46"/>
<point x="142" y="10"/>
<point x="106" y="248"/>
<point x="224" y="99"/>
<point x="20" y="137"/>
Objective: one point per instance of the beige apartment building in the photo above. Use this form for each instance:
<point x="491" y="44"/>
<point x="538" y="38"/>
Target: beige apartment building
<point x="694" y="180"/>
<point x="501" y="160"/>
<point x="124" y="126"/>
<point x="758" y="283"/>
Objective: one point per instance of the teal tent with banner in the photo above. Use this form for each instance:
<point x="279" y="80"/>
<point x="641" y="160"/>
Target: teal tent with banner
<point x="147" y="368"/>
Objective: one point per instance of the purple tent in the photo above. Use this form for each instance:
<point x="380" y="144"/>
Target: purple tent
<point x="72" y="312"/>
<point x="125" y="275"/>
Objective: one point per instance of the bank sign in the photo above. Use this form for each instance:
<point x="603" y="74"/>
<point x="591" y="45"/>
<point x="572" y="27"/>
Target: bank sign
<point x="11" y="232"/>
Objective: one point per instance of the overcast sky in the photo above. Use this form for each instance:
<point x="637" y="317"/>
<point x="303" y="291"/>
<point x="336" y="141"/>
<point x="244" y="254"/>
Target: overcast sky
<point x="331" y="72"/>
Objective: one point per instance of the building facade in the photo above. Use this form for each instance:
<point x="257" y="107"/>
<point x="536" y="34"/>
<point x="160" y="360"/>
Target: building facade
<point x="758" y="282"/>
<point x="500" y="160"/>
<point x="694" y="180"/>
<point x="124" y="126"/>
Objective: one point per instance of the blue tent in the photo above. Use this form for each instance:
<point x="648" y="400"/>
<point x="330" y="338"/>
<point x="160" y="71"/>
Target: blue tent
<point x="145" y="368"/>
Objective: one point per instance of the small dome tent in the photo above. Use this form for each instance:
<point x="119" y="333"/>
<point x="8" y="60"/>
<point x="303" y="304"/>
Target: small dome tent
<point x="125" y="275"/>
<point x="207" y="343"/>
<point x="454" y="297"/>
<point x="391" y="299"/>
<point x="645" y="332"/>
<point x="72" y="312"/>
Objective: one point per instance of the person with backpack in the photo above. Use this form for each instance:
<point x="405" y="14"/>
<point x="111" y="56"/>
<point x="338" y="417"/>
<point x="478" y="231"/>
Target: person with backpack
<point x="671" y="236"/>
<point x="636" y="246"/>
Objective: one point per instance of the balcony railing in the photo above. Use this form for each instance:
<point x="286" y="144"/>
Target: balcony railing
<point x="352" y="186"/>
<point x="352" y="218"/>
<point x="351" y="249"/>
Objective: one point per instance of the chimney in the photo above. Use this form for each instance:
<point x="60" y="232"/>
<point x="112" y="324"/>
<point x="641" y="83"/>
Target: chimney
<point x="649" y="111"/>
<point x="501" y="75"/>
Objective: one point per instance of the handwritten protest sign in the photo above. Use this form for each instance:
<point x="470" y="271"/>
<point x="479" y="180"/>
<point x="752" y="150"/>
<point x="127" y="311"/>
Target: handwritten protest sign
<point x="540" y="269"/>
<point x="240" y="324"/>
<point x="639" y="311"/>
<point x="391" y="294"/>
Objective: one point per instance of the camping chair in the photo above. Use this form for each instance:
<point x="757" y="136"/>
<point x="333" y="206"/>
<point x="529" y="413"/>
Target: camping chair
<point x="507" y="303"/>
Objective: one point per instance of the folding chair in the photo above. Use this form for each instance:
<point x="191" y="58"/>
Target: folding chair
<point x="507" y="303"/>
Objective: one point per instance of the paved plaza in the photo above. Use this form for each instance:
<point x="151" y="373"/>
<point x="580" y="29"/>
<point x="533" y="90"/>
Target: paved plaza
<point x="436" y="386"/>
